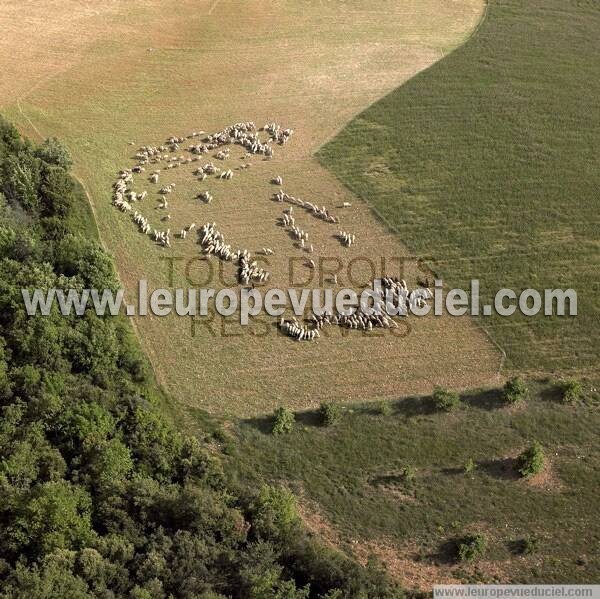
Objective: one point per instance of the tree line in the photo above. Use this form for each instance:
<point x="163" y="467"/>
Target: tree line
<point x="100" y="494"/>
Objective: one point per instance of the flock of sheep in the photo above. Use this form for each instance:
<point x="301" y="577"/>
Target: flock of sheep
<point x="358" y="320"/>
<point x="390" y="289"/>
<point x="168" y="155"/>
<point x="212" y="240"/>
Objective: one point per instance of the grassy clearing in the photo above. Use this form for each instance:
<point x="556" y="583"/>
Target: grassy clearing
<point x="487" y="162"/>
<point x="406" y="480"/>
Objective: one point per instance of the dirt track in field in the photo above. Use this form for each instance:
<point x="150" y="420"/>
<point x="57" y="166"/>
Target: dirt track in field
<point x="99" y="78"/>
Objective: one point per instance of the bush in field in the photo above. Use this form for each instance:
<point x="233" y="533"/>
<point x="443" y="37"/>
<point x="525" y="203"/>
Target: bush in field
<point x="445" y="400"/>
<point x="409" y="475"/>
<point x="531" y="461"/>
<point x="571" y="390"/>
<point x="529" y="545"/>
<point x="384" y="408"/>
<point x="515" y="390"/>
<point x="275" y="513"/>
<point x="330" y="413"/>
<point x="53" y="152"/>
<point x="471" y="547"/>
<point x="283" y="421"/>
<point x="470" y="466"/>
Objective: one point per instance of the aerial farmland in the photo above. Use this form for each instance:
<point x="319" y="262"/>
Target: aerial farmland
<point x="416" y="149"/>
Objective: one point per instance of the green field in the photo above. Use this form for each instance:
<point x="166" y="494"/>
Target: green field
<point x="488" y="163"/>
<point x="353" y="473"/>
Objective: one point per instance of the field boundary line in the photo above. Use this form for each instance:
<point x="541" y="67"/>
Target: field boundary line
<point x="375" y="211"/>
<point x="41" y="137"/>
<point x="88" y="196"/>
<point x="439" y="51"/>
<point x="133" y="321"/>
<point x="29" y="121"/>
<point x="25" y="95"/>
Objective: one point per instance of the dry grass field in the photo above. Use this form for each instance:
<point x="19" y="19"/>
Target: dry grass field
<point x="142" y="70"/>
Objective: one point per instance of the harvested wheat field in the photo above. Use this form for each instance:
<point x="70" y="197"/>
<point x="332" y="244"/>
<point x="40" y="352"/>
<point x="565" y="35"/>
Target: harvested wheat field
<point x="110" y="79"/>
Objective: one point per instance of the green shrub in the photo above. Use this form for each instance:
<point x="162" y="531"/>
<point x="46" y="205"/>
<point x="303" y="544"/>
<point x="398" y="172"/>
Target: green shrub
<point x="471" y="547"/>
<point x="275" y="512"/>
<point x="330" y="413"/>
<point x="515" y="390"/>
<point x="445" y="400"/>
<point x="571" y="390"/>
<point x="283" y="421"/>
<point x="470" y="466"/>
<point x="384" y="408"/>
<point x="531" y="461"/>
<point x="529" y="545"/>
<point x="409" y="474"/>
<point x="53" y="152"/>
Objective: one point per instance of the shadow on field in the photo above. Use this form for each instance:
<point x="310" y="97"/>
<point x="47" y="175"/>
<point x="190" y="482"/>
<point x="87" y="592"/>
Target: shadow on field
<point x="503" y="468"/>
<point x="263" y="424"/>
<point x="446" y="553"/>
<point x="311" y="418"/>
<point x="408" y="407"/>
<point x="414" y="406"/>
<point x="452" y="471"/>
<point x="552" y="394"/>
<point x="490" y="399"/>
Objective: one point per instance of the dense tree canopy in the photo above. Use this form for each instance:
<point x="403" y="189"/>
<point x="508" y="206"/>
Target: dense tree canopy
<point x="100" y="496"/>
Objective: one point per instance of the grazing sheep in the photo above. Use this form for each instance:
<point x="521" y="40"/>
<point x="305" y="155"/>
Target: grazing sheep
<point x="213" y="242"/>
<point x="321" y="213"/>
<point x="296" y="331"/>
<point x="346" y="239"/>
<point x="172" y="154"/>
